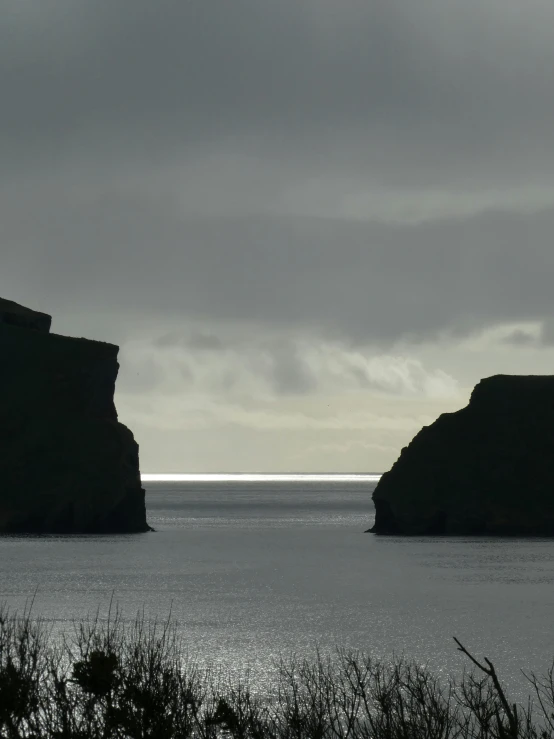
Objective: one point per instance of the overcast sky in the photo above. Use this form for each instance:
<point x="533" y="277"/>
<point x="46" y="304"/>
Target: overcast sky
<point x="311" y="225"/>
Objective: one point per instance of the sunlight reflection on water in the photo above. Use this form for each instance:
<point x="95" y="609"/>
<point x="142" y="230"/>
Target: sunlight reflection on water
<point x="256" y="569"/>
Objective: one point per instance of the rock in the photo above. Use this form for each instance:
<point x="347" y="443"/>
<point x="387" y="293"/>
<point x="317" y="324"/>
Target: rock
<point x="16" y="315"/>
<point x="66" y="464"/>
<point x="487" y="469"/>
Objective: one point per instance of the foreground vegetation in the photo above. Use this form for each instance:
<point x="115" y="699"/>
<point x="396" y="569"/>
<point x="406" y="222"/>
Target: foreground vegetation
<point x="112" y="679"/>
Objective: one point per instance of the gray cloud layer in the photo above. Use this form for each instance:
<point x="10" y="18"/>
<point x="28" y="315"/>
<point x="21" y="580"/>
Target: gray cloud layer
<point x="420" y="94"/>
<point x="278" y="179"/>
<point x="360" y="281"/>
<point x="178" y="157"/>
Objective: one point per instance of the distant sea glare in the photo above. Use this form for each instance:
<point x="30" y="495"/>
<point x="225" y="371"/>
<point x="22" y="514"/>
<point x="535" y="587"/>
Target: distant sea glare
<point x="256" y="566"/>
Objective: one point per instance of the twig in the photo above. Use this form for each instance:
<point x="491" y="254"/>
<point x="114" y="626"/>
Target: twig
<point x="511" y="712"/>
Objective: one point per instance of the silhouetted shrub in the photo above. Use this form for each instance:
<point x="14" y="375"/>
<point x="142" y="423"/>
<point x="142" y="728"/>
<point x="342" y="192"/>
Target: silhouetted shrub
<point x="111" y="680"/>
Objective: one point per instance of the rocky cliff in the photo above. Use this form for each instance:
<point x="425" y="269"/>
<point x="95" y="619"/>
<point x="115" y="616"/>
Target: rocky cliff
<point x="66" y="464"/>
<point x="487" y="469"/>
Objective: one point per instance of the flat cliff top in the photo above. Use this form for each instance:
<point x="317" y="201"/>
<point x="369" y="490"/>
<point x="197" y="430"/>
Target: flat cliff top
<point x="13" y="314"/>
<point x="516" y="392"/>
<point x="42" y="373"/>
<point x="32" y="329"/>
<point x="24" y="342"/>
<point x="11" y="306"/>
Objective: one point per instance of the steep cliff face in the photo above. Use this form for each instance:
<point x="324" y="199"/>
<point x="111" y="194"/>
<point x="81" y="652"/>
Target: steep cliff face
<point x="66" y="463"/>
<point x="486" y="469"/>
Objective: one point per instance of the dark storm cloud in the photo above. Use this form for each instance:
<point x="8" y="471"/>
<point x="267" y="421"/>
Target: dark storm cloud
<point x="519" y="337"/>
<point x="358" y="280"/>
<point x="198" y="340"/>
<point x="461" y="80"/>
<point x="205" y="342"/>
<point x="289" y="372"/>
<point x="547" y="334"/>
<point x="120" y="120"/>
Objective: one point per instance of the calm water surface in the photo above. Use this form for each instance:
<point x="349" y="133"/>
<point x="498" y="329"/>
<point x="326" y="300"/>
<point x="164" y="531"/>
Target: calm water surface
<point x="254" y="569"/>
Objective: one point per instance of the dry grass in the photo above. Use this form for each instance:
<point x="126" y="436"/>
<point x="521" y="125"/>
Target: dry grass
<point x="107" y="680"/>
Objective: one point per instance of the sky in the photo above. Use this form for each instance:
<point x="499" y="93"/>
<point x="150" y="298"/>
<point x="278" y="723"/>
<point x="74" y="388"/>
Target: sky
<point x="311" y="225"/>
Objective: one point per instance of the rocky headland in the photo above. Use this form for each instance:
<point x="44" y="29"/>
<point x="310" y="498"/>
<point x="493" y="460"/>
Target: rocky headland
<point x="487" y="469"/>
<point x="66" y="464"/>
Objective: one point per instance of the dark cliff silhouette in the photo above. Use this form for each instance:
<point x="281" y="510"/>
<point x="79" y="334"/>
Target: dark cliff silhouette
<point x="487" y="469"/>
<point x="66" y="464"/>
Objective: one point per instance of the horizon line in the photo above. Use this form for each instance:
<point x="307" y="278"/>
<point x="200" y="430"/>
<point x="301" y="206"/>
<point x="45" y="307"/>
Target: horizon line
<point x="258" y="476"/>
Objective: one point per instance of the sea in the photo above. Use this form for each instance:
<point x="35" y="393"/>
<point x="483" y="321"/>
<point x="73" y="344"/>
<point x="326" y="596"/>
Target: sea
<point x="253" y="568"/>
